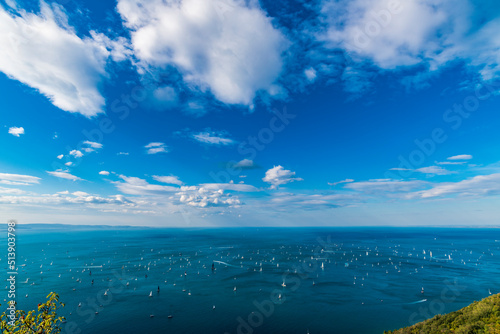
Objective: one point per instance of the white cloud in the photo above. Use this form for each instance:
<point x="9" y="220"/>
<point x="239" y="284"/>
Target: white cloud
<point x="434" y="33"/>
<point x="122" y="153"/>
<point x="277" y="176"/>
<point x="166" y="94"/>
<point x="69" y="163"/>
<point x="385" y="186"/>
<point x="65" y="175"/>
<point x="461" y="157"/>
<point x="203" y="197"/>
<point x="76" y="153"/>
<point x="31" y="51"/>
<point x="450" y="162"/>
<point x="310" y="74"/>
<point x="480" y="185"/>
<point x="104" y="172"/>
<point x="229" y="186"/>
<point x="60" y="156"/>
<point x="245" y="164"/>
<point x="213" y="138"/>
<point x="137" y="186"/>
<point x="11" y="191"/>
<point x="18" y="179"/>
<point x="168" y="179"/>
<point x="79" y="193"/>
<point x="434" y="170"/>
<point x="340" y="182"/>
<point x="214" y="44"/>
<point x="93" y="144"/>
<point x="154" y="148"/>
<point x="63" y="198"/>
<point x="16" y="131"/>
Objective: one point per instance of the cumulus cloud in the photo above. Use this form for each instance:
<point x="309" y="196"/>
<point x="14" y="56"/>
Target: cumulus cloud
<point x="16" y="131"/>
<point x="277" y="176"/>
<point x="76" y="153"/>
<point x="393" y="34"/>
<point x="154" y="148"/>
<point x="60" y="156"/>
<point x="65" y="175"/>
<point x="206" y="196"/>
<point x="104" y="172"/>
<point x="168" y="179"/>
<point x="32" y="45"/>
<point x="18" y="179"/>
<point x="215" y="45"/>
<point x="213" y="138"/>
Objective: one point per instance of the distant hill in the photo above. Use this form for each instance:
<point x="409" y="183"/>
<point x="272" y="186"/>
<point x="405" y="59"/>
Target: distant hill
<point x="478" y="317"/>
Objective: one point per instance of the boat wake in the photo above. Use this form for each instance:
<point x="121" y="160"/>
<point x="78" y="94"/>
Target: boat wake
<point x="417" y="302"/>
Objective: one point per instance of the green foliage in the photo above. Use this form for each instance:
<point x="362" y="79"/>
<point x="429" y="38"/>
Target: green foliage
<point x="478" y="318"/>
<point x="43" y="321"/>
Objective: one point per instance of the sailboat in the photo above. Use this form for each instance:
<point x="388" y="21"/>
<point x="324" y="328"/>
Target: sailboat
<point x="151" y="294"/>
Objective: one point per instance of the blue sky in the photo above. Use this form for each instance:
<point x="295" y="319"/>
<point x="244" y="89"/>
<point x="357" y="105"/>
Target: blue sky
<point x="241" y="113"/>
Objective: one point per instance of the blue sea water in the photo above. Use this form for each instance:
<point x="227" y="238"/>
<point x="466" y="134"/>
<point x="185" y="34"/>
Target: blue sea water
<point x="266" y="280"/>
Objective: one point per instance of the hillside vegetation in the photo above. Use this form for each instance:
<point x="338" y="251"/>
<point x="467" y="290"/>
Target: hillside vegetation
<point x="479" y="317"/>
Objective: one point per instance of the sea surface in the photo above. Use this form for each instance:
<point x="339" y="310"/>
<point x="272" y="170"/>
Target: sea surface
<point x="266" y="280"/>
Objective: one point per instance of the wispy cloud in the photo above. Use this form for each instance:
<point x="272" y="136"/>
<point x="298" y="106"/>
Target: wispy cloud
<point x="434" y="170"/>
<point x="16" y="131"/>
<point x="168" y="179"/>
<point x="18" y="179"/>
<point x="91" y="146"/>
<point x="70" y="85"/>
<point x="481" y="185"/>
<point x="461" y="157"/>
<point x="156" y="147"/>
<point x="65" y="175"/>
<point x="137" y="186"/>
<point x="340" y="182"/>
<point x="385" y="186"/>
<point x="213" y="138"/>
